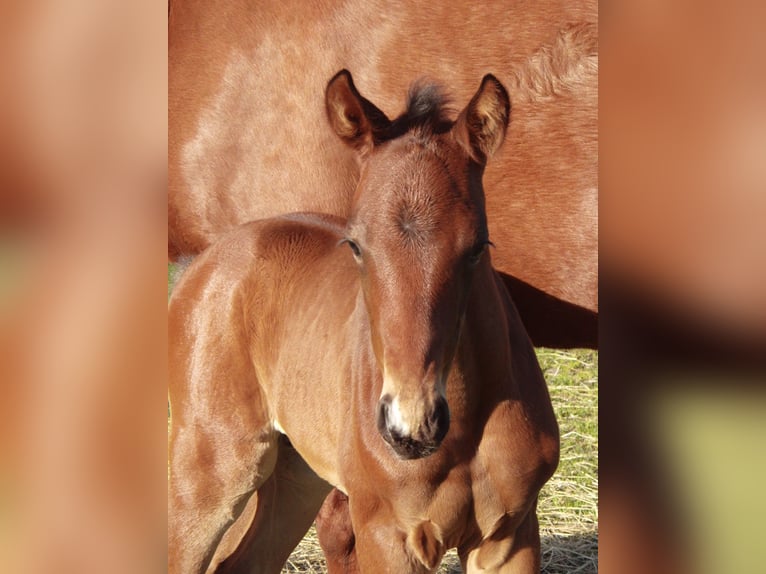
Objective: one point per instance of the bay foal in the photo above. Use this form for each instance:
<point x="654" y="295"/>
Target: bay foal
<point x="380" y="355"/>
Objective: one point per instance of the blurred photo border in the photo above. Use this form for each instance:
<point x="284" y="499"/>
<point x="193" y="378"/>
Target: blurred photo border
<point x="83" y="286"/>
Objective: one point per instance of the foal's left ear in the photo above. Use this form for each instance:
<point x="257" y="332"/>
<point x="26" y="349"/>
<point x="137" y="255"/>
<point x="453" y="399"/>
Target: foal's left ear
<point x="356" y="120"/>
<point x="481" y="126"/>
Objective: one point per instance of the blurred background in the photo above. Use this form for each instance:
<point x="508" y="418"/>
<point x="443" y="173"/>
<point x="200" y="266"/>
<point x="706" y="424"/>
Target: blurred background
<point x="83" y="286"/>
<point x="83" y="144"/>
<point x="682" y="267"/>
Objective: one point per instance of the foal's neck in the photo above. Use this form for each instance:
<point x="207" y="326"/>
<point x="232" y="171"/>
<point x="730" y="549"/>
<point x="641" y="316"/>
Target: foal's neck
<point x="488" y="341"/>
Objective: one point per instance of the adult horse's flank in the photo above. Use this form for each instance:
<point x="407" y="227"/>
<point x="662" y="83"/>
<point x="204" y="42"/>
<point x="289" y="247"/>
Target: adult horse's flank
<point x="387" y="351"/>
<point x="244" y="103"/>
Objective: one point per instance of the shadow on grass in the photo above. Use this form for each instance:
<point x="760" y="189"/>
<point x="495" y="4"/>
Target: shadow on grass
<point x="574" y="554"/>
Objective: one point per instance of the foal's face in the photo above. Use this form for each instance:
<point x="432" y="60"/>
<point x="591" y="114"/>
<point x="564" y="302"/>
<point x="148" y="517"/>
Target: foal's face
<point x="418" y="232"/>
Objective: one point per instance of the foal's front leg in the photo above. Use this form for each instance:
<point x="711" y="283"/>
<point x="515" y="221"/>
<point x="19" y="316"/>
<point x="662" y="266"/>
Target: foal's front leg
<point x="222" y="442"/>
<point x="285" y="506"/>
<point x="383" y="546"/>
<point x="517" y="553"/>
<point x="336" y="534"/>
<point x="210" y="484"/>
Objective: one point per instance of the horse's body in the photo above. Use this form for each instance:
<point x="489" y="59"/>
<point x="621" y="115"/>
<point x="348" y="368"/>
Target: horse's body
<point x="244" y="106"/>
<point x="398" y="368"/>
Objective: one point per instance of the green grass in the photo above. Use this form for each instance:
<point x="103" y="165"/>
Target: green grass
<point x="568" y="506"/>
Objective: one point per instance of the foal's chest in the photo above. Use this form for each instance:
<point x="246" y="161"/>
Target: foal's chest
<point x="495" y="490"/>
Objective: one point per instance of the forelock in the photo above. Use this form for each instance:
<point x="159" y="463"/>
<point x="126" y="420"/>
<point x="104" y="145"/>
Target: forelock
<point x="428" y="111"/>
<point x="427" y="104"/>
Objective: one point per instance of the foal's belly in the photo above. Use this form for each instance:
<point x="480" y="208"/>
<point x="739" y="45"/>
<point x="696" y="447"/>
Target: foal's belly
<point x="313" y="432"/>
<point x="312" y="411"/>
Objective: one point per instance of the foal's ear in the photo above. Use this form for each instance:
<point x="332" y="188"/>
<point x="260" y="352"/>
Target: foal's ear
<point x="356" y="120"/>
<point x="481" y="126"/>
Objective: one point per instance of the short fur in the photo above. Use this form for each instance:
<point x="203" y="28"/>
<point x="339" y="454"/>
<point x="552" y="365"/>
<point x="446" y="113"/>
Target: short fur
<point x="398" y="372"/>
<point x="246" y="138"/>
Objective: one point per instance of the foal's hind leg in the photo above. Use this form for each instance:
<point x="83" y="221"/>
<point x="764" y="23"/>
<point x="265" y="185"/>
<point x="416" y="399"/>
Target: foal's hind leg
<point x="286" y="506"/>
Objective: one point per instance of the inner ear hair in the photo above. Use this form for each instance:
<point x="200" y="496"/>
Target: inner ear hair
<point x="485" y="119"/>
<point x="354" y="119"/>
<point x="344" y="110"/>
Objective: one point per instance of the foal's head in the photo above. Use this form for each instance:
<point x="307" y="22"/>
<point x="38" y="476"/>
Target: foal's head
<point x="418" y="233"/>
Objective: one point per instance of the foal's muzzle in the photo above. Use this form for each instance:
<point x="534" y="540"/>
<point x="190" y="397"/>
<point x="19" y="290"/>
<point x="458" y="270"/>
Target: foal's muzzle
<point x="413" y="443"/>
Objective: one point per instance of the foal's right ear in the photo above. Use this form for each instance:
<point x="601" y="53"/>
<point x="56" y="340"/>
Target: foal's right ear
<point x="355" y="119"/>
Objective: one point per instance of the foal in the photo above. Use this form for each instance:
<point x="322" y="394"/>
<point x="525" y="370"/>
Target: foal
<point x="380" y="355"/>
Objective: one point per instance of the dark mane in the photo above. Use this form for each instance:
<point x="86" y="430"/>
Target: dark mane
<point x="428" y="111"/>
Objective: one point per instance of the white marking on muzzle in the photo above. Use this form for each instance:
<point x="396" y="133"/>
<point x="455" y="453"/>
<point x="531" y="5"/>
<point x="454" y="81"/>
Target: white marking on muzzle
<point x="395" y="419"/>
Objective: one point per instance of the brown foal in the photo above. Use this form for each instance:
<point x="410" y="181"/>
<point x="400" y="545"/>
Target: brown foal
<point x="381" y="355"/>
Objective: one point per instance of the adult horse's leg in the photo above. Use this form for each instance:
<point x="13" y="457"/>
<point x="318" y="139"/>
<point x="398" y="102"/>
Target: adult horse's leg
<point x="525" y="556"/>
<point x="284" y="509"/>
<point x="551" y="322"/>
<point x="234" y="536"/>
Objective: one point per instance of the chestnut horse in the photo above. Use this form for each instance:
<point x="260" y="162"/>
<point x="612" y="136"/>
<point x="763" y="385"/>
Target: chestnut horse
<point x="381" y="355"/>
<point x="244" y="108"/>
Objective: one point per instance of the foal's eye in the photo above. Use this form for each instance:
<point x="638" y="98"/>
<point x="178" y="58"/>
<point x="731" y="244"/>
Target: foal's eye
<point x="478" y="250"/>
<point x="354" y="248"/>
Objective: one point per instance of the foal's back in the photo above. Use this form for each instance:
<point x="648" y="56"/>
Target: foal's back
<point x="278" y="274"/>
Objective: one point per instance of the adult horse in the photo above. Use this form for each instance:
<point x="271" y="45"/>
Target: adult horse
<point x="396" y="364"/>
<point x="247" y="139"/>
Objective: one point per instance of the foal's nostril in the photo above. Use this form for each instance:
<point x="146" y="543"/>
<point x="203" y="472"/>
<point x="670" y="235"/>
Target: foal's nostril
<point x="424" y="441"/>
<point x="439" y="420"/>
<point x="383" y="408"/>
<point x="386" y="400"/>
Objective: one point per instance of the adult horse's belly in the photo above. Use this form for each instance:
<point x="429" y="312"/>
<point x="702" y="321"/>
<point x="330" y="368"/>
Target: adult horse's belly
<point x="248" y="135"/>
